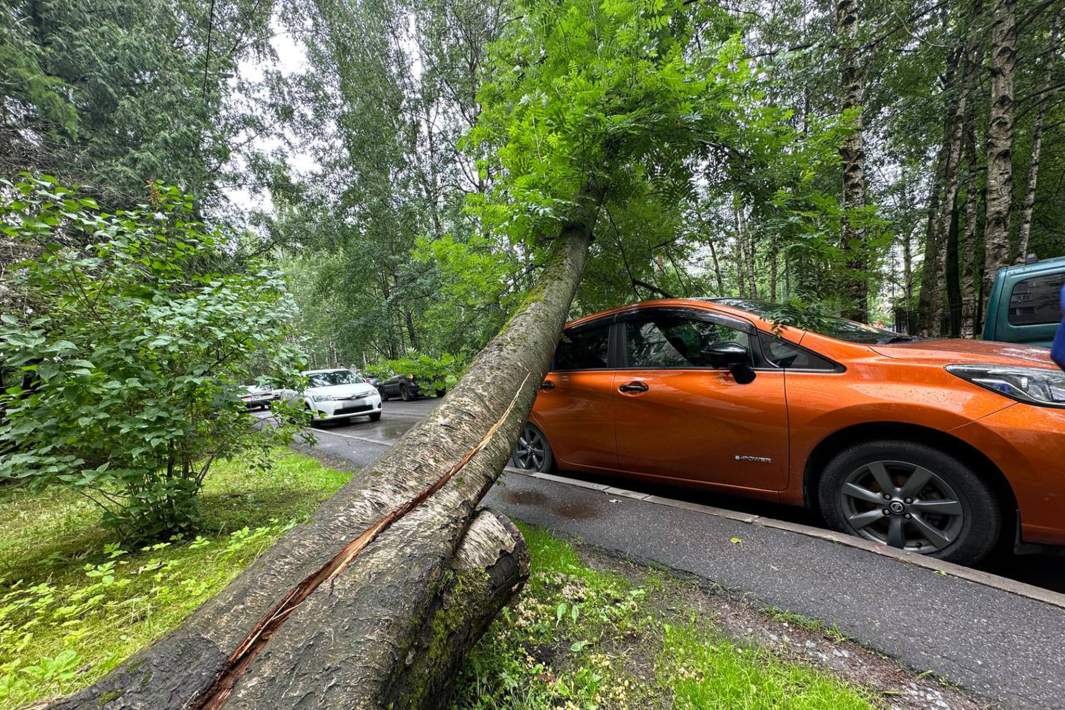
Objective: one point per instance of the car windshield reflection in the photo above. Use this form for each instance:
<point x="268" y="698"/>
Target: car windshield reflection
<point x="333" y="377"/>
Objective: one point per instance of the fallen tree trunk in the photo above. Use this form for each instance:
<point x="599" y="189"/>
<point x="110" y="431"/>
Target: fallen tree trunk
<point x="375" y="600"/>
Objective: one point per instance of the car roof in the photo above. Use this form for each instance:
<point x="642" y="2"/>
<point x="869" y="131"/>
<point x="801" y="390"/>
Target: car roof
<point x="707" y="304"/>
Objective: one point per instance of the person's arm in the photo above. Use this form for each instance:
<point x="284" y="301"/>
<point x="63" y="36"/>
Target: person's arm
<point x="1057" y="350"/>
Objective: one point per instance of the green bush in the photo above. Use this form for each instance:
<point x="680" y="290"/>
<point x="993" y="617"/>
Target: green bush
<point x="433" y="374"/>
<point x="126" y="353"/>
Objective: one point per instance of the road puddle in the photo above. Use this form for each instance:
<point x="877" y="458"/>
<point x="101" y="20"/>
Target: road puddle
<point x="569" y="511"/>
<point x="525" y="497"/>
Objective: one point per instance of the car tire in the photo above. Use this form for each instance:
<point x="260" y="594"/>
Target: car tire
<point x="375" y="417"/>
<point x="936" y="505"/>
<point x="532" y="452"/>
<point x="404" y="393"/>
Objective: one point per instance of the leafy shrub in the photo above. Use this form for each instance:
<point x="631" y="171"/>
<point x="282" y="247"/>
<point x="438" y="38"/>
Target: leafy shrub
<point x="432" y="374"/>
<point x="125" y="357"/>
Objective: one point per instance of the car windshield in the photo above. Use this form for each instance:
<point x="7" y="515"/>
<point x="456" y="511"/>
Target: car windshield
<point x="810" y="319"/>
<point x="333" y="377"/>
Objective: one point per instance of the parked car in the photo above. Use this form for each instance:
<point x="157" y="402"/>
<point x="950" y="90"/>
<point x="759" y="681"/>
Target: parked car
<point x="339" y="394"/>
<point x="406" y="387"/>
<point x="1025" y="303"/>
<point x="259" y="396"/>
<point x="942" y="447"/>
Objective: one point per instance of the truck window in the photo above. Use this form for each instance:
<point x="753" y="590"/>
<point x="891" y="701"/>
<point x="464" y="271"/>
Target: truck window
<point x="1035" y="301"/>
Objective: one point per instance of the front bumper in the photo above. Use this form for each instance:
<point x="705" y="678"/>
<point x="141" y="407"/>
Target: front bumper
<point x="259" y="400"/>
<point x="1027" y="443"/>
<point x="326" y="410"/>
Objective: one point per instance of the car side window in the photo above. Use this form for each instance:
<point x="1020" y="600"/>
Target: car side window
<point x="586" y="349"/>
<point x="1036" y="301"/>
<point x="663" y="339"/>
<point x="783" y="354"/>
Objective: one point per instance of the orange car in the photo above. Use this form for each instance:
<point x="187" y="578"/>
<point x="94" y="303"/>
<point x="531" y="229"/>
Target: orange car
<point x="936" y="446"/>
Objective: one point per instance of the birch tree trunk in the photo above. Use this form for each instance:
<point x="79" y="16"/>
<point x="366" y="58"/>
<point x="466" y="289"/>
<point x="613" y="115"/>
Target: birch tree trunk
<point x="1000" y="142"/>
<point x="853" y="154"/>
<point x="374" y="602"/>
<point x="1025" y="230"/>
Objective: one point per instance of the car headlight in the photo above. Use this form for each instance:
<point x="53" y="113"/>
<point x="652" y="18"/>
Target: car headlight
<point x="1025" y="384"/>
<point x="322" y="397"/>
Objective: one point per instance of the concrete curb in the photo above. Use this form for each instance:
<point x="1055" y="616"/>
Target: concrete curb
<point x="930" y="563"/>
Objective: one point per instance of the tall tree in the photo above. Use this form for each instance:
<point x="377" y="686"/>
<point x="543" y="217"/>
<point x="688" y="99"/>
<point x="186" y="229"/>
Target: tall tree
<point x="1000" y="141"/>
<point x="853" y="152"/>
<point x="1024" y="232"/>
<point x="116" y="93"/>
<point x="374" y="601"/>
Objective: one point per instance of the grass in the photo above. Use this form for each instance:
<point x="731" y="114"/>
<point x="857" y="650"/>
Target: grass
<point x="74" y="604"/>
<point x="585" y="638"/>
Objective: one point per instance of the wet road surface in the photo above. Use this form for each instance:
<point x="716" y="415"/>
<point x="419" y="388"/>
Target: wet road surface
<point x="362" y="441"/>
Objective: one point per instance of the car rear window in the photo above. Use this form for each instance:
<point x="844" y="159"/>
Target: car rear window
<point x="1035" y="301"/>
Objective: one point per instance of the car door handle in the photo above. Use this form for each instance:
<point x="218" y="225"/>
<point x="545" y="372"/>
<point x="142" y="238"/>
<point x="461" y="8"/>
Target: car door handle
<point x="547" y="385"/>
<point x="634" y="387"/>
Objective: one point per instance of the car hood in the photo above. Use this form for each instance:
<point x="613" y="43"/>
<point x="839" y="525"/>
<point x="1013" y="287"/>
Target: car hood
<point x="343" y="391"/>
<point x="968" y="351"/>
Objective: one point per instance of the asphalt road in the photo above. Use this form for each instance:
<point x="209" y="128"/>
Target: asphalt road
<point x="361" y="442"/>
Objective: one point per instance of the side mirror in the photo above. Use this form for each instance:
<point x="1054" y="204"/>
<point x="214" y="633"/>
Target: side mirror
<point x="735" y="358"/>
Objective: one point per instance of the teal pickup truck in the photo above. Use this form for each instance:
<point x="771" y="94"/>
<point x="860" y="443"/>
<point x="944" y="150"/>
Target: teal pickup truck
<point x="1025" y="303"/>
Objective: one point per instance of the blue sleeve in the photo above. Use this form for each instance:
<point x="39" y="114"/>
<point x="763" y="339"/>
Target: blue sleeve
<point x="1057" y="350"/>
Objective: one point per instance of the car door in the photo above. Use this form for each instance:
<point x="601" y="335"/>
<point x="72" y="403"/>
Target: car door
<point x="678" y="417"/>
<point x="573" y="406"/>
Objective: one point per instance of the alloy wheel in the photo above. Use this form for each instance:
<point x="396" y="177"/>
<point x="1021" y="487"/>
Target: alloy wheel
<point x="903" y="505"/>
<point x="531" y="451"/>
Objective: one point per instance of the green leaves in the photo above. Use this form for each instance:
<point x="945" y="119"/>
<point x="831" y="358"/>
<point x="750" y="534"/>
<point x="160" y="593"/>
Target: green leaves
<point x="123" y="377"/>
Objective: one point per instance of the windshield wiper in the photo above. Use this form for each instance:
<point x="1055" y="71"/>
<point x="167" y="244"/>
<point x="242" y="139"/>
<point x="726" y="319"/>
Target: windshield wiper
<point x="897" y="339"/>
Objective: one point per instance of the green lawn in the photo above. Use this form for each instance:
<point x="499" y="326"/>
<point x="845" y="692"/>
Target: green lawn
<point x="74" y="604"/>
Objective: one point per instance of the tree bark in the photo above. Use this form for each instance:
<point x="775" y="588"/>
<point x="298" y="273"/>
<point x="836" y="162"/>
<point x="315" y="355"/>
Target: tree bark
<point x="1000" y="142"/>
<point x="952" y="275"/>
<point x="970" y="281"/>
<point x="746" y="267"/>
<point x="853" y="154"/>
<point x="1025" y="230"/>
<point x="717" y="267"/>
<point x="369" y="604"/>
<point x="947" y="264"/>
<point x="921" y="323"/>
<point x="412" y="333"/>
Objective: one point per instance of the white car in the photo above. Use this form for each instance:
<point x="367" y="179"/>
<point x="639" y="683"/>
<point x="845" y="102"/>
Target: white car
<point x="258" y="397"/>
<point x="340" y="394"/>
